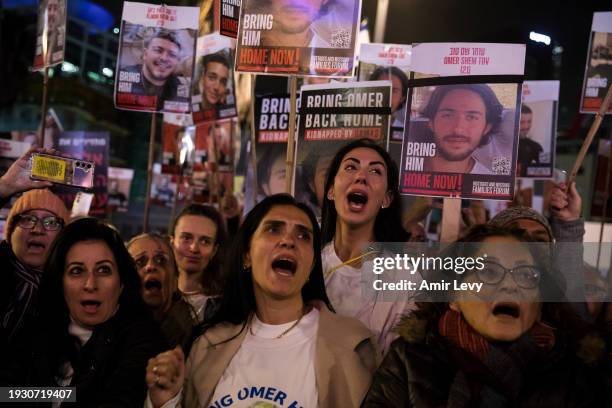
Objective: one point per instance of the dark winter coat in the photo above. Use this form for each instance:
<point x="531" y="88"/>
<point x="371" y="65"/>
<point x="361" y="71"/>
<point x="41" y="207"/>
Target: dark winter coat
<point x="423" y="370"/>
<point x="111" y="366"/>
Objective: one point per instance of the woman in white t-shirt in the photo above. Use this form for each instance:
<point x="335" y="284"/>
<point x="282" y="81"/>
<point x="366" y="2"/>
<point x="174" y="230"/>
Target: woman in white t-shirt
<point x="274" y="340"/>
<point x="362" y="206"/>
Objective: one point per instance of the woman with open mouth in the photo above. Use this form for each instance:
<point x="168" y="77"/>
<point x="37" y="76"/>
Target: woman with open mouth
<point x="514" y="343"/>
<point x="274" y="340"/>
<point x="158" y="272"/>
<point x="362" y="206"/>
<point x="94" y="331"/>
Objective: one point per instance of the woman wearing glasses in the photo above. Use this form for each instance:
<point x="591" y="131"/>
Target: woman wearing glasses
<point x="511" y="343"/>
<point x="94" y="331"/>
<point x="159" y="277"/>
<point x="33" y="222"/>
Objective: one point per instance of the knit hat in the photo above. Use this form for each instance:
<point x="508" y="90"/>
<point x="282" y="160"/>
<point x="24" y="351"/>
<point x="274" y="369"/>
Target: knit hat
<point x="512" y="214"/>
<point x="42" y="199"/>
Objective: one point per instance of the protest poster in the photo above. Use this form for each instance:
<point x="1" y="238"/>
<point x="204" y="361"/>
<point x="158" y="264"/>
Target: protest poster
<point x="229" y="12"/>
<point x="331" y="116"/>
<point x="219" y="139"/>
<point x="119" y="184"/>
<point x="598" y="71"/>
<point x="462" y="121"/>
<point x="285" y="37"/>
<point x="389" y="62"/>
<point x="538" y="129"/>
<point x="176" y="137"/>
<point x="89" y="146"/>
<point x="164" y="187"/>
<point x="271" y="132"/>
<point x="213" y="95"/>
<point x="602" y="174"/>
<point x="156" y="57"/>
<point x="50" y="34"/>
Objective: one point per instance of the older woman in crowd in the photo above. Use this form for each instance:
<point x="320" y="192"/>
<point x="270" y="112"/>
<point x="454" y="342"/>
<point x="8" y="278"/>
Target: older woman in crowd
<point x="274" y="340"/>
<point x="95" y="332"/>
<point x="159" y="276"/>
<point x="509" y="344"/>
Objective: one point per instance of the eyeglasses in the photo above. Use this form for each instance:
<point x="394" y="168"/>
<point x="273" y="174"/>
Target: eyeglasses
<point x="50" y="223"/>
<point x="525" y="276"/>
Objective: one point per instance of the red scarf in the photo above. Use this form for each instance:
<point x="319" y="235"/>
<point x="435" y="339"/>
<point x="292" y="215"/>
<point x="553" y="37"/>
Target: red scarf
<point x="456" y="330"/>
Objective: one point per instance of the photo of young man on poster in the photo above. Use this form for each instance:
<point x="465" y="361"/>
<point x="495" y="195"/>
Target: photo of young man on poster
<point x="213" y="95"/>
<point x="461" y="118"/>
<point x="157" y="75"/>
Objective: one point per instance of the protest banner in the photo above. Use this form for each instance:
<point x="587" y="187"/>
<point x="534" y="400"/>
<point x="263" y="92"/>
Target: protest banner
<point x="461" y="133"/>
<point x="156" y="57"/>
<point x="213" y="95"/>
<point x="229" y="12"/>
<point x="119" y="184"/>
<point x="598" y="71"/>
<point x="51" y="34"/>
<point x="312" y="38"/>
<point x="331" y="116"/>
<point x="538" y="129"/>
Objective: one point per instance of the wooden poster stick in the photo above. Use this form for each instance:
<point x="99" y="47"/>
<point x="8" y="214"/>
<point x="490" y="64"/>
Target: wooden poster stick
<point x="451" y="219"/>
<point x="44" y="108"/>
<point x="589" y="139"/>
<point x="145" y="222"/>
<point x="291" y="136"/>
<point x="253" y="141"/>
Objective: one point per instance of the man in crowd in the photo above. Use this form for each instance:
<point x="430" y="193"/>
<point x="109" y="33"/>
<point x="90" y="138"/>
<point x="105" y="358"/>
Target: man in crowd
<point x="462" y="118"/>
<point x="529" y="150"/>
<point x="160" y="58"/>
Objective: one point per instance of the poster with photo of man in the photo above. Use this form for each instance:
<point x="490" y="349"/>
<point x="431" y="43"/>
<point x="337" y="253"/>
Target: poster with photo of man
<point x="598" y="72"/>
<point x="602" y="175"/>
<point x="391" y="62"/>
<point x="178" y="134"/>
<point x="50" y="34"/>
<point x="461" y="133"/>
<point x="119" y="184"/>
<point x="299" y="37"/>
<point x="213" y="94"/>
<point x="331" y="116"/>
<point x="538" y="129"/>
<point x="156" y="58"/>
<point x="271" y="133"/>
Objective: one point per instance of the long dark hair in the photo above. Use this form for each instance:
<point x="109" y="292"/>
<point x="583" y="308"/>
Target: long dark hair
<point x="212" y="277"/>
<point x="388" y="223"/>
<point x="238" y="299"/>
<point x="54" y="317"/>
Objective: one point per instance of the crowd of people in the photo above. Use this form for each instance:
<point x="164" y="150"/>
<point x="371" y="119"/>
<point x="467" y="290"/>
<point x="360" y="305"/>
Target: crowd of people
<point x="273" y="312"/>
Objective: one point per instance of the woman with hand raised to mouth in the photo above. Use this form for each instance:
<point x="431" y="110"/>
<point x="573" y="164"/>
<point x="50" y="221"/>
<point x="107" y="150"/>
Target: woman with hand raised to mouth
<point x="362" y="206"/>
<point x="274" y="339"/>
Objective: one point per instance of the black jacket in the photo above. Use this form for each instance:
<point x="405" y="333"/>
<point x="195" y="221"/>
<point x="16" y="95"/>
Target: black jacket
<point x="425" y="371"/>
<point x="111" y="366"/>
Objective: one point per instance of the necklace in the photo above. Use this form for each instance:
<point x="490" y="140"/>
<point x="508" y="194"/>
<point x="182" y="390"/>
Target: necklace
<point x="286" y="331"/>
